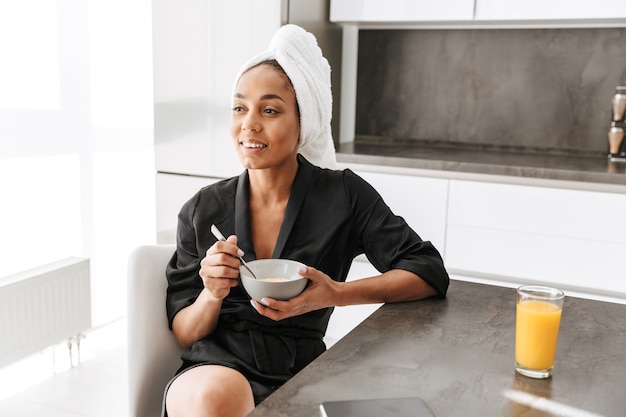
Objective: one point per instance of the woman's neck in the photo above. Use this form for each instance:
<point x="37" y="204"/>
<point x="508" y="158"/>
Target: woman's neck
<point x="269" y="195"/>
<point x="269" y="186"/>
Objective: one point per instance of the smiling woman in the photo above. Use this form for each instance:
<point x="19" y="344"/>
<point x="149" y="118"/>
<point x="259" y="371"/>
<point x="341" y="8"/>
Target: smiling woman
<point x="288" y="204"/>
<point x="265" y="122"/>
<point x="295" y="55"/>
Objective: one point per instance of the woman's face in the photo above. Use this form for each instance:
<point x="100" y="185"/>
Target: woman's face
<point x="264" y="121"/>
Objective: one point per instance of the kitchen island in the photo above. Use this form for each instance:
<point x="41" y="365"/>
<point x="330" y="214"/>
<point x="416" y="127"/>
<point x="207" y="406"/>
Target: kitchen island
<point x="458" y="353"/>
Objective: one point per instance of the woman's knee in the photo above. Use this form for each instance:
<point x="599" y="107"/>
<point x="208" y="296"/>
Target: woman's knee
<point x="209" y="390"/>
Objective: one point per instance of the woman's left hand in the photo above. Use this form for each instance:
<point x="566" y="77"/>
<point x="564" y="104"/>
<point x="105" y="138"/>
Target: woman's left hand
<point x="321" y="292"/>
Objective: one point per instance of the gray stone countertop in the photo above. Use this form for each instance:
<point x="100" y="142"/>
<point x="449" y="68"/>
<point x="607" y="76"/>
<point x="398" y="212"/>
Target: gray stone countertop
<point x="458" y="355"/>
<point x="581" y="170"/>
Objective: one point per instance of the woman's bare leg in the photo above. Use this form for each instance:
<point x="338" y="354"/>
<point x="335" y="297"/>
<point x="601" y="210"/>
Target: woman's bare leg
<point x="209" y="391"/>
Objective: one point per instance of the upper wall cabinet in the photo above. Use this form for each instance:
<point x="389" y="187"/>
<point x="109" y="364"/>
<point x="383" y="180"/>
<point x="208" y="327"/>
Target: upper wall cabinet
<point x="549" y="9"/>
<point x="400" y="10"/>
<point x="478" y="13"/>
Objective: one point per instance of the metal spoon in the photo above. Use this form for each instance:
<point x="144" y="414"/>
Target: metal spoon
<point x="216" y="232"/>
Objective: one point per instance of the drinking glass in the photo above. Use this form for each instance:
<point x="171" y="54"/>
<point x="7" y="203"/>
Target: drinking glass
<point x="537" y="324"/>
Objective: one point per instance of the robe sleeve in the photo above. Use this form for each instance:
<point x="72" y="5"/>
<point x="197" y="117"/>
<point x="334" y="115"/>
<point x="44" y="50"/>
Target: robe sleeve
<point x="184" y="283"/>
<point x="388" y="241"/>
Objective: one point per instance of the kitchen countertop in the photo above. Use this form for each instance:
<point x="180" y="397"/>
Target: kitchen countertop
<point x="584" y="171"/>
<point x="457" y="354"/>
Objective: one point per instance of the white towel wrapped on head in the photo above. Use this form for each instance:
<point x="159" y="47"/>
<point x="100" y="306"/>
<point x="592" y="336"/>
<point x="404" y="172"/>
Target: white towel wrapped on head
<point x="298" y="53"/>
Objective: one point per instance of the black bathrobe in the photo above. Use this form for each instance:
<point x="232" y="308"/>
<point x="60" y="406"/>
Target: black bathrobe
<point x="331" y="217"/>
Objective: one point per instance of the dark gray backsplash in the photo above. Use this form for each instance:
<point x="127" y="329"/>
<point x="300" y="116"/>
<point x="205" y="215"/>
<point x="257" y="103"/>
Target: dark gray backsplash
<point x="543" y="89"/>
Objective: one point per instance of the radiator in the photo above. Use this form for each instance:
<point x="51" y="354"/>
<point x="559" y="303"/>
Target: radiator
<point x="43" y="306"/>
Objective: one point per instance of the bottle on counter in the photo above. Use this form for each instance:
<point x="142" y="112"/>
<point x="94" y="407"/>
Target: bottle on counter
<point x="618" y="104"/>
<point x="616" y="138"/>
<point x="617" y="145"/>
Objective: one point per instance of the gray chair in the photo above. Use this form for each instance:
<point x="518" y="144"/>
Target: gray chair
<point x="153" y="354"/>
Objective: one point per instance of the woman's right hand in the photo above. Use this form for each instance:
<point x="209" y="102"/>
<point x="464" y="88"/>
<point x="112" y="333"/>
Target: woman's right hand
<point x="219" y="269"/>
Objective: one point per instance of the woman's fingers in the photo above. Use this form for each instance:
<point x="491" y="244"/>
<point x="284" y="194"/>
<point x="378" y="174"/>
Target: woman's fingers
<point x="219" y="269"/>
<point x="319" y="293"/>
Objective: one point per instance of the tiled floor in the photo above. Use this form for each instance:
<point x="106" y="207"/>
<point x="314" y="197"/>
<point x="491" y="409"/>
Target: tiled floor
<point x="97" y="387"/>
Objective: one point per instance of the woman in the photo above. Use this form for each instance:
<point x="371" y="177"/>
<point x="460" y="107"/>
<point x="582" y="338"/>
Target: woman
<point x="239" y="351"/>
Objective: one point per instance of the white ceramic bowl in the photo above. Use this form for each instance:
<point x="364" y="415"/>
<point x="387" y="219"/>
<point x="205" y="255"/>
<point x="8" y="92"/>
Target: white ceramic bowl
<point x="289" y="285"/>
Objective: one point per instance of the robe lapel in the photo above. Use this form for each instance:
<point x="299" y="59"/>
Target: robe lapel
<point x="296" y="198"/>
<point x="243" y="228"/>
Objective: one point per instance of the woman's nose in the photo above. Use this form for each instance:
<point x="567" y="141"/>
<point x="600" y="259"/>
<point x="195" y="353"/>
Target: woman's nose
<point x="251" y="123"/>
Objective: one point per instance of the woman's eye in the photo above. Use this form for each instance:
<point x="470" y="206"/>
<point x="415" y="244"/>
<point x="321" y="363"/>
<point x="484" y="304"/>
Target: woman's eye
<point x="237" y="109"/>
<point x="270" y="111"/>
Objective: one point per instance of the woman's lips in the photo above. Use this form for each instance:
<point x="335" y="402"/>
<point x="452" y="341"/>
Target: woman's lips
<point x="253" y="145"/>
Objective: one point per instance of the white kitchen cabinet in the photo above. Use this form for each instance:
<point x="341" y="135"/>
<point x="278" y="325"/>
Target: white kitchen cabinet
<point x="175" y="190"/>
<point x="400" y="10"/>
<point x="474" y="13"/>
<point x="569" y="238"/>
<point x="197" y="50"/>
<point x="422" y="202"/>
<point x="346" y="318"/>
<point x="549" y="9"/>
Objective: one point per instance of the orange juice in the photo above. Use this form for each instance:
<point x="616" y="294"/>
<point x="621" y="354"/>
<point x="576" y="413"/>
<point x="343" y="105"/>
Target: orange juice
<point x="536" y="334"/>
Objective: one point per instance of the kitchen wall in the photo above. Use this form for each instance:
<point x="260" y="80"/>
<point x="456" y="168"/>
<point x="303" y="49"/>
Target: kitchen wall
<point x="546" y="90"/>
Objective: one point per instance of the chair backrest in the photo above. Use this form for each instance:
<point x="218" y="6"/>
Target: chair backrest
<point x="153" y="354"/>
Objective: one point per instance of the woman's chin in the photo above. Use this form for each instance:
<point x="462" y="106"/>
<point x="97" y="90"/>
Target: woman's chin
<point x="253" y="163"/>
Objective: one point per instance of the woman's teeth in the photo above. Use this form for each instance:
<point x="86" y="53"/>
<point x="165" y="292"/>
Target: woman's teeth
<point x="253" y="145"/>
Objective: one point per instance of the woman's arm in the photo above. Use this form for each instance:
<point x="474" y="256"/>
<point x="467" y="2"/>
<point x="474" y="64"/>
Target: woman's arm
<point x="197" y="320"/>
<point x="219" y="271"/>
<point x="393" y="286"/>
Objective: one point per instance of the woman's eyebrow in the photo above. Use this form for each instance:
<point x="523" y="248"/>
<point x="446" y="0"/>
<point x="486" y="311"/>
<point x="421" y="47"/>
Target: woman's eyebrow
<point x="263" y="97"/>
<point x="272" y="97"/>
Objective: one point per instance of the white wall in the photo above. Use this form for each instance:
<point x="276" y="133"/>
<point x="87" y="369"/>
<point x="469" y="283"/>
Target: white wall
<point x="76" y="138"/>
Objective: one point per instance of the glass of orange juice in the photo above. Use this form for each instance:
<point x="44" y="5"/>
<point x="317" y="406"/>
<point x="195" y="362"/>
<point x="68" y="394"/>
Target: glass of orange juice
<point x="537" y="329"/>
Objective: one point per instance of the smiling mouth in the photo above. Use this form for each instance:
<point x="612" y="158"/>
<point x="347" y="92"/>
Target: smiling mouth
<point x="251" y="145"/>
